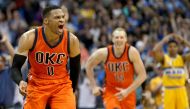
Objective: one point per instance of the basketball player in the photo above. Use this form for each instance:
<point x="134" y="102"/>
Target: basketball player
<point x="121" y="61"/>
<point x="174" y="74"/>
<point x="48" y="48"/>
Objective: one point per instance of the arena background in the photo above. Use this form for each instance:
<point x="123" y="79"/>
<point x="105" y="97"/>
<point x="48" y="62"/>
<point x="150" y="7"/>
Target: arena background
<point x="92" y="21"/>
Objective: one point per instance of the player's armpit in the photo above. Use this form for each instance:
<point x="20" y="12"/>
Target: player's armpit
<point x="158" y="56"/>
<point x="74" y="46"/>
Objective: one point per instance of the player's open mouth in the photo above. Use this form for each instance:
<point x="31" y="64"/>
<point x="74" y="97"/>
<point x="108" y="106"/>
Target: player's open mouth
<point x="60" y="26"/>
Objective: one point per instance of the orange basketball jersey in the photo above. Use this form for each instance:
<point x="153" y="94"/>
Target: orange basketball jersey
<point x="119" y="70"/>
<point x="46" y="61"/>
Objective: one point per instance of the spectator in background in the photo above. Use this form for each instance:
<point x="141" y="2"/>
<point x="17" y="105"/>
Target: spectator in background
<point x="85" y="94"/>
<point x="156" y="89"/>
<point x="9" y="96"/>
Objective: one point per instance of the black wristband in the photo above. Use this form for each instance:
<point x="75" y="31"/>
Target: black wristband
<point x="74" y="71"/>
<point x="16" y="74"/>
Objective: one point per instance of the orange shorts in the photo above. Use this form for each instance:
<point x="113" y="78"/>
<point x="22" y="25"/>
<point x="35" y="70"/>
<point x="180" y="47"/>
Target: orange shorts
<point x="111" y="102"/>
<point x="56" y="94"/>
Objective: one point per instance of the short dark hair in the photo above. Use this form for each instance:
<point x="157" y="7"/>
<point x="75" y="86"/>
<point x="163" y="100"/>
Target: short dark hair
<point x="47" y="10"/>
<point x="172" y="41"/>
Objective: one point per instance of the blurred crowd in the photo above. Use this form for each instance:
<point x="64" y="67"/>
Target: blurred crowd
<point x="92" y="21"/>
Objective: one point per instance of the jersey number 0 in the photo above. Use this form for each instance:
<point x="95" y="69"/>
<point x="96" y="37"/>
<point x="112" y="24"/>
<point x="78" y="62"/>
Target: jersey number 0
<point x="50" y="70"/>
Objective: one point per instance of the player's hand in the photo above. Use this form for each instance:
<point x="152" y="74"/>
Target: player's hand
<point x="121" y="94"/>
<point x="3" y="38"/>
<point x="97" y="91"/>
<point x="147" y="95"/>
<point x="188" y="81"/>
<point x="178" y="37"/>
<point x="23" y="88"/>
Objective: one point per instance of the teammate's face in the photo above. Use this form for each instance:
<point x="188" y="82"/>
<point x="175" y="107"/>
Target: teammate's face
<point x="56" y="21"/>
<point x="119" y="38"/>
<point x="172" y="49"/>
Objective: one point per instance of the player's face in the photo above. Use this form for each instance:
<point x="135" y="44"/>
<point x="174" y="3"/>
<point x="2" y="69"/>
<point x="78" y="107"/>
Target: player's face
<point x="56" y="21"/>
<point x="119" y="39"/>
<point x="172" y="49"/>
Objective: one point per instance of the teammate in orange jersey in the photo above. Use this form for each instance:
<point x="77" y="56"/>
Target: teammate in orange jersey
<point x="48" y="49"/>
<point x="121" y="61"/>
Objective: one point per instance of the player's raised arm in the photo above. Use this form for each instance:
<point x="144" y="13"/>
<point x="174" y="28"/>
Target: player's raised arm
<point x="74" y="60"/>
<point x="157" y="50"/>
<point x="186" y="57"/>
<point x="8" y="45"/>
<point x="97" y="57"/>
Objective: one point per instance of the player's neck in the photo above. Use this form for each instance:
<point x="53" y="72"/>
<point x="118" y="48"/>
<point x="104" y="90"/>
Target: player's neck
<point x="118" y="51"/>
<point x="173" y="55"/>
<point x="50" y="36"/>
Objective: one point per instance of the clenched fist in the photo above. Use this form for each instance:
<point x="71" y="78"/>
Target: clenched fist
<point x="23" y="88"/>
